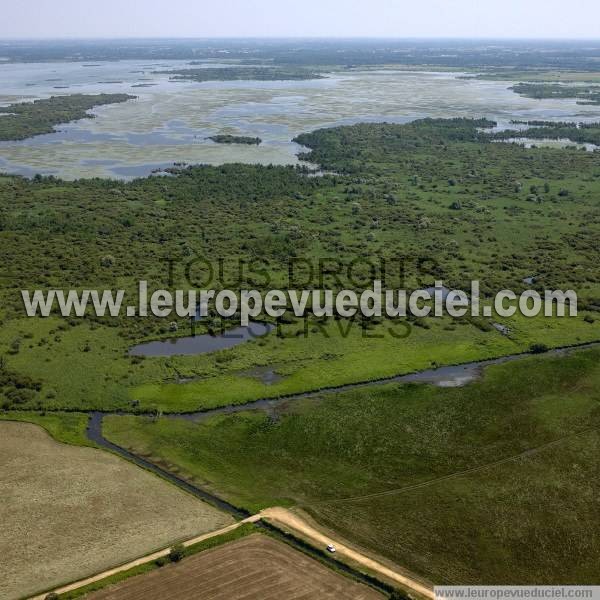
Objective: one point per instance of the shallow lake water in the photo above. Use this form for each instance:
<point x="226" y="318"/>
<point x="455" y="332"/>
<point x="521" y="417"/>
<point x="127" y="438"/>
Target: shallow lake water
<point x="170" y="120"/>
<point x="550" y="143"/>
<point x="202" y="344"/>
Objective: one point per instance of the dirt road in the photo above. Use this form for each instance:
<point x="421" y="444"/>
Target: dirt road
<point x="290" y="520"/>
<point x="283" y="518"/>
<point x="145" y="559"/>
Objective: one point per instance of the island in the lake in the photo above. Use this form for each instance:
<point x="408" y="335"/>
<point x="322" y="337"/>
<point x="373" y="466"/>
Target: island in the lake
<point x="28" y="119"/>
<point x="584" y="94"/>
<point x="235" y="139"/>
<point x="242" y="74"/>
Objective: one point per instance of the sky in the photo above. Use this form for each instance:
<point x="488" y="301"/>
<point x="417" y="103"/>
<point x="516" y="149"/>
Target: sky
<point x="301" y="18"/>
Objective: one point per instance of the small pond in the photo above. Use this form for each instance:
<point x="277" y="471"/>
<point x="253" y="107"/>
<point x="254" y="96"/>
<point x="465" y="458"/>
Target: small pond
<point x="202" y="344"/>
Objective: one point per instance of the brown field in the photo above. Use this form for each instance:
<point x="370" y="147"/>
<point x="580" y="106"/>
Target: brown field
<point x="68" y="512"/>
<point x="256" y="567"/>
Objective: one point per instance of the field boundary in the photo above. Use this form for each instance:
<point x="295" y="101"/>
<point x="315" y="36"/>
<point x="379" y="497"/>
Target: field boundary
<point x="143" y="561"/>
<point x="94" y="434"/>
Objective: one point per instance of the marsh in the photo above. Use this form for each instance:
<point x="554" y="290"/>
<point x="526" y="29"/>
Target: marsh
<point x="170" y="121"/>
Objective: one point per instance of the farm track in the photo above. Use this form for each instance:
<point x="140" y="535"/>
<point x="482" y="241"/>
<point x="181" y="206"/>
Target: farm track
<point x="257" y="567"/>
<point x="142" y="561"/>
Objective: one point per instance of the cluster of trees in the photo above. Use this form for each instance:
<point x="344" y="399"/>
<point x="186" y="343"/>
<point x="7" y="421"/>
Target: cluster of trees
<point x="241" y="73"/>
<point x="235" y="139"/>
<point x="585" y="94"/>
<point x="16" y="388"/>
<point x="581" y="133"/>
<point x="27" y="119"/>
<point x="356" y="147"/>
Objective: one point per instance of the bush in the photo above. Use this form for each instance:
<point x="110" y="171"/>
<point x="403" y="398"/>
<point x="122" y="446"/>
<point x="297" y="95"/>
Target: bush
<point x="51" y="596"/>
<point x="107" y="261"/>
<point x="177" y="553"/>
<point x="538" y="348"/>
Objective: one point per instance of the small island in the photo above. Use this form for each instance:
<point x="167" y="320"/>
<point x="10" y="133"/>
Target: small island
<point x="584" y="94"/>
<point x="28" y="119"/>
<point x="242" y="74"/>
<point x="235" y="139"/>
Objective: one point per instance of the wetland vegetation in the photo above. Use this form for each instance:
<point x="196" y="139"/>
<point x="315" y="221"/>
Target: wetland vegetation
<point x="504" y="55"/>
<point x="242" y="73"/>
<point x="28" y="119"/>
<point x="235" y="139"/>
<point x="582" y="133"/>
<point x="584" y="94"/>
<point x="393" y="201"/>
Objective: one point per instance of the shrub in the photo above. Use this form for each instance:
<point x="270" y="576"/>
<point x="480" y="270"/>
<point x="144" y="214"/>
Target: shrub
<point x="177" y="553"/>
<point x="538" y="348"/>
<point x="107" y="261"/>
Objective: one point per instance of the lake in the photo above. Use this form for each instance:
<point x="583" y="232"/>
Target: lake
<point x="170" y="120"/>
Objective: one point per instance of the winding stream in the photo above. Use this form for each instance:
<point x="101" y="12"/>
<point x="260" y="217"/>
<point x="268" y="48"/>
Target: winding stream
<point x="448" y="376"/>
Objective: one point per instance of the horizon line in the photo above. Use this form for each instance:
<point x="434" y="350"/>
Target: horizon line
<point x="296" y="37"/>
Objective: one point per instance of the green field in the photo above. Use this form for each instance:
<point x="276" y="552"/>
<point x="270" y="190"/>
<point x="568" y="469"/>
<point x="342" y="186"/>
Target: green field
<point x="493" y="482"/>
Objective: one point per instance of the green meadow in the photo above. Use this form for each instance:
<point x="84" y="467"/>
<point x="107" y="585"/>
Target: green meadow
<point x="492" y="482"/>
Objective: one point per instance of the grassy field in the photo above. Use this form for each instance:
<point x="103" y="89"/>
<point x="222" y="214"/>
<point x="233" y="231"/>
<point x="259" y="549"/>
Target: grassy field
<point x="325" y="357"/>
<point x="72" y="512"/>
<point x="254" y="568"/>
<point x="428" y="460"/>
<point x="528" y="521"/>
<point x="68" y="428"/>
